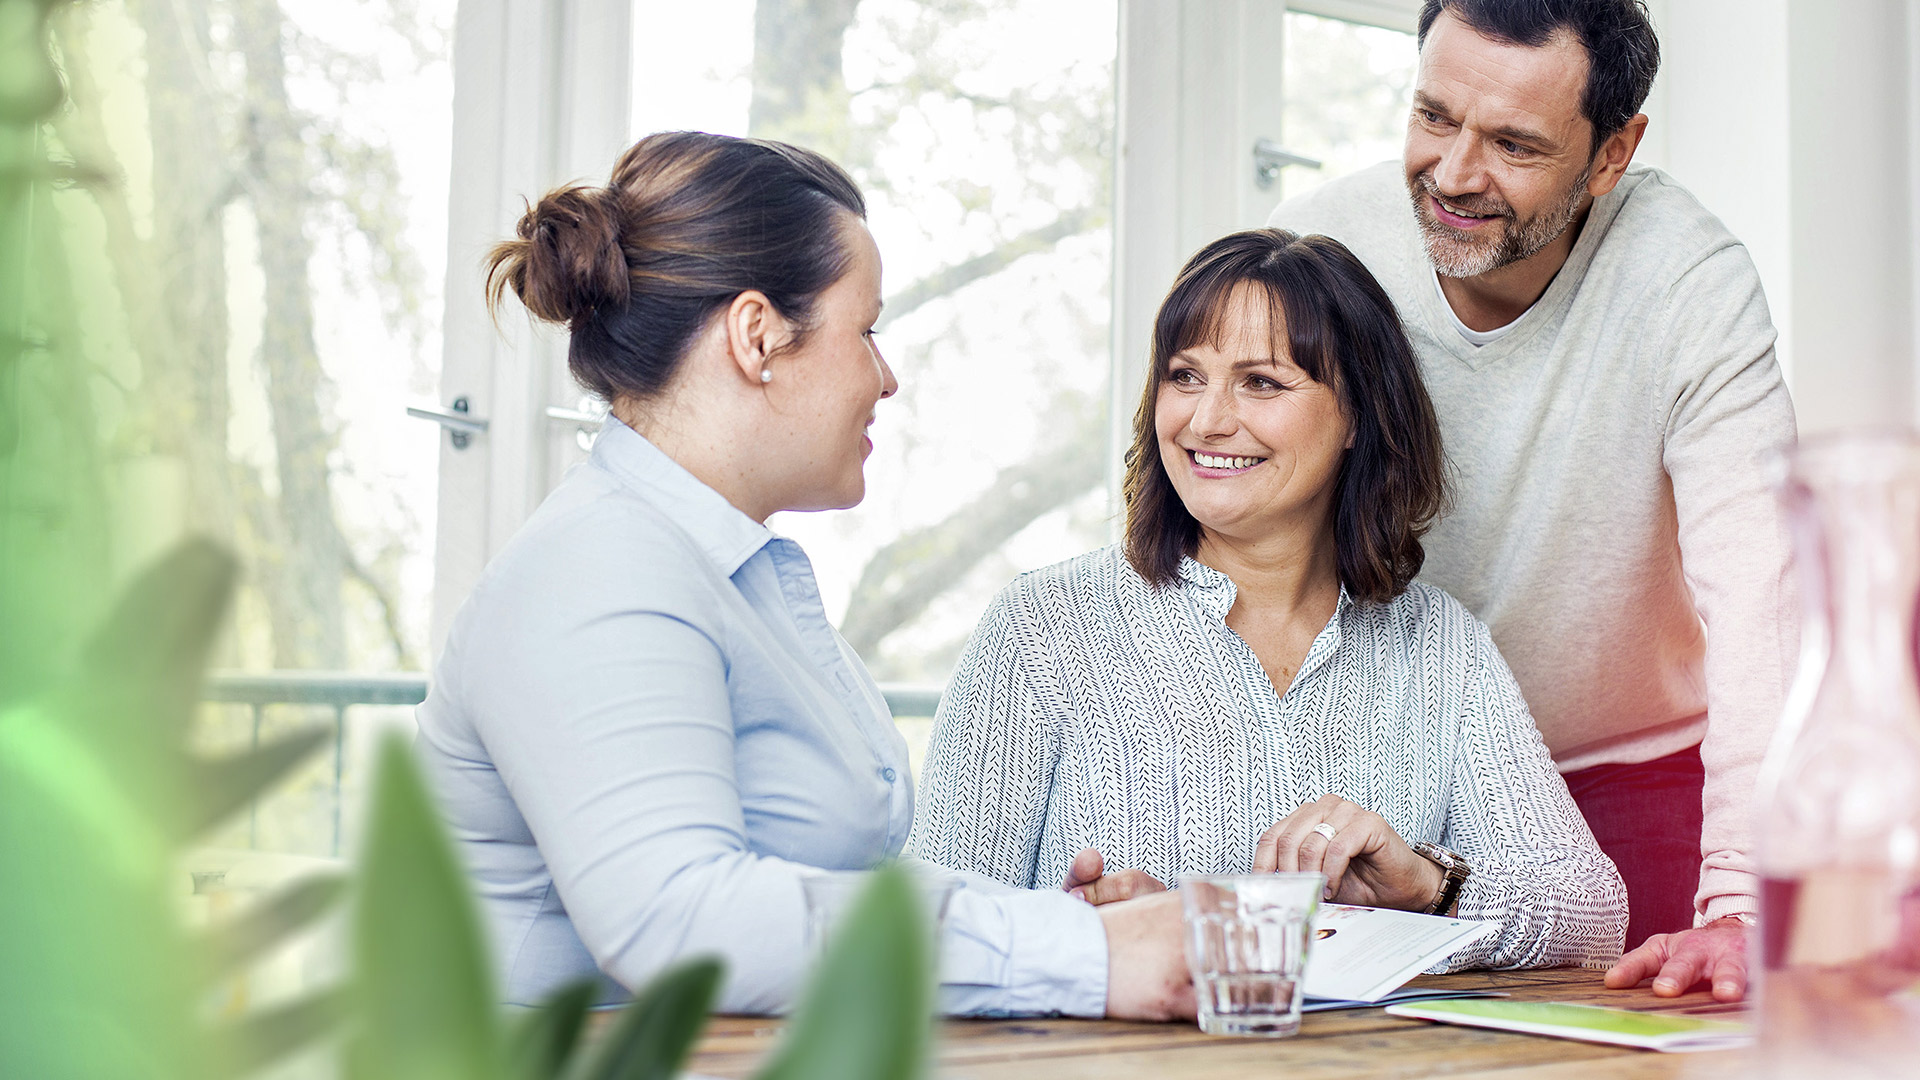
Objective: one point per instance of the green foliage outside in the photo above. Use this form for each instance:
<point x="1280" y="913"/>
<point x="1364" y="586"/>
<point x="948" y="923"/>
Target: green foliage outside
<point x="100" y="791"/>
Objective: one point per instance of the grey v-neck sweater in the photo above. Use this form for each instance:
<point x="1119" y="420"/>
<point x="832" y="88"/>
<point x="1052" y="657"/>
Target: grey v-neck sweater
<point x="1612" y="519"/>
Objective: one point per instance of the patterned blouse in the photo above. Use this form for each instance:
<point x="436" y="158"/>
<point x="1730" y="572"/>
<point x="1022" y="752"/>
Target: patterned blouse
<point x="1090" y="709"/>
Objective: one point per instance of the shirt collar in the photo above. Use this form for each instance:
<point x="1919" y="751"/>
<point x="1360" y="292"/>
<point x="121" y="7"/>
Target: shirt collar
<point x="1215" y="591"/>
<point x="725" y="535"/>
<point x="1211" y="589"/>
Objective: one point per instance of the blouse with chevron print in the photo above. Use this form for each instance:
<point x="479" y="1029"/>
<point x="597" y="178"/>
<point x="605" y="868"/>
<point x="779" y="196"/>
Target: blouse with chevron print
<point x="1090" y="709"/>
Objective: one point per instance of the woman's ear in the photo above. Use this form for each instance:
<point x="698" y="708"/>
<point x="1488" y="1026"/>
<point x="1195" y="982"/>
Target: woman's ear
<point x="755" y="331"/>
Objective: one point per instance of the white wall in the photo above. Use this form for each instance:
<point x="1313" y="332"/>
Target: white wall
<point x="1795" y="122"/>
<point x="1852" y="239"/>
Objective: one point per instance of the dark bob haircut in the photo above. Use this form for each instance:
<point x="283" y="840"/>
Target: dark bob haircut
<point x="1623" y="53"/>
<point x="687" y="222"/>
<point x="1342" y="331"/>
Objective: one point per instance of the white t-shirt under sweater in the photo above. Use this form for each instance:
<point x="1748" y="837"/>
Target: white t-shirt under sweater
<point x="1612" y="521"/>
<point x="1474" y="337"/>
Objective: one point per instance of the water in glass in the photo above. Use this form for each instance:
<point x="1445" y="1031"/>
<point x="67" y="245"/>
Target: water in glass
<point x="1247" y="937"/>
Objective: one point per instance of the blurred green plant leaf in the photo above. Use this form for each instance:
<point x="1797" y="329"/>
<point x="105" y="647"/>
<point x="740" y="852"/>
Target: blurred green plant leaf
<point x="55" y="765"/>
<point x="541" y="1041"/>
<point x="866" y="1013"/>
<point x="654" y="1032"/>
<point x="425" y="1002"/>
<point x="248" y="1045"/>
<point x="252" y="932"/>
<point x="152" y="652"/>
<point x="92" y="969"/>
<point x="219" y="788"/>
<point x="136" y="687"/>
<point x="29" y="85"/>
<point x="96" y="980"/>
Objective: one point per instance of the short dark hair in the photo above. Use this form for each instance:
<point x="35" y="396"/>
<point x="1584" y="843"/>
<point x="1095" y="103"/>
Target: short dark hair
<point x="1341" y="329"/>
<point x="687" y="222"/>
<point x="1623" y="53"/>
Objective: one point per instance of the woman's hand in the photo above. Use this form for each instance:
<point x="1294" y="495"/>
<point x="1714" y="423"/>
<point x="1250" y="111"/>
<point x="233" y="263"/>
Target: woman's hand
<point x="1147" y="977"/>
<point x="1088" y="880"/>
<point x="1365" y="861"/>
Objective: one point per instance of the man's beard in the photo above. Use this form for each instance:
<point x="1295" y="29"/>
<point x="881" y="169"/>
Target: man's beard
<point x="1457" y="256"/>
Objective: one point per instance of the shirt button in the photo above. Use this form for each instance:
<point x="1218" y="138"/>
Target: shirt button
<point x="887" y="774"/>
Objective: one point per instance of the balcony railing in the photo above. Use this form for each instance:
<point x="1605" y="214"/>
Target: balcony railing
<point x="342" y="690"/>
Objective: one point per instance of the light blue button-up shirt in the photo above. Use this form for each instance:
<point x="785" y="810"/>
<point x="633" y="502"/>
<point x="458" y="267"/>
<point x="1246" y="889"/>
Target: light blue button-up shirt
<point x="645" y="732"/>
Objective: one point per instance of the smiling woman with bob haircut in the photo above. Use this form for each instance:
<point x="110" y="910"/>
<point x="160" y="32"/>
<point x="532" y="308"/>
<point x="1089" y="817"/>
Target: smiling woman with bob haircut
<point x="1250" y="681"/>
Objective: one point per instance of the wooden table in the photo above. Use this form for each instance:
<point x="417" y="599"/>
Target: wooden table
<point x="1352" y="1043"/>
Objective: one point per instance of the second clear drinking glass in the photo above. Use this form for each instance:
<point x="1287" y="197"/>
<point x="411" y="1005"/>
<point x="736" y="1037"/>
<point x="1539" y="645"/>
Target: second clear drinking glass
<point x="1247" y="937"/>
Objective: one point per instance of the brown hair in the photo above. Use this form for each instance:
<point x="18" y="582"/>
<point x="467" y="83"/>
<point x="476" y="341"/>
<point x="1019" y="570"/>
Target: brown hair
<point x="1342" y="331"/>
<point x="1623" y="52"/>
<point x="687" y="222"/>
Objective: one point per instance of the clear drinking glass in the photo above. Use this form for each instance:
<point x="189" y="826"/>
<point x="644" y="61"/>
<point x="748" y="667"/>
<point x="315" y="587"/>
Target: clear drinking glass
<point x="1247" y="948"/>
<point x="830" y="893"/>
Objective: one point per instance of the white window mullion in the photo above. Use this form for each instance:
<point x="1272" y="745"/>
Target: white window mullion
<point x="540" y="98"/>
<point x="1200" y="82"/>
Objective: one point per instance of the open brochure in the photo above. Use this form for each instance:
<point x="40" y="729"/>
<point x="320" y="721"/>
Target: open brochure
<point x="1588" y="1023"/>
<point x="1362" y="954"/>
<point x="1404" y="994"/>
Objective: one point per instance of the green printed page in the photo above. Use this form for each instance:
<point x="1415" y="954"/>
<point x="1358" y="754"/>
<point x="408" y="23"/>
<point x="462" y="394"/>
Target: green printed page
<point x="1588" y="1023"/>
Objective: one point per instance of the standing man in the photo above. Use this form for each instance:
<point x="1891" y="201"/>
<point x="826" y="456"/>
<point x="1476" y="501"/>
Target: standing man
<point x="1601" y="358"/>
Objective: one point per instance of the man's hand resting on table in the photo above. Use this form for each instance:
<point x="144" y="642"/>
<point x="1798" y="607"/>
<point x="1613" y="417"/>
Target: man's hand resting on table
<point x="1716" y="953"/>
<point x="1147" y="977"/>
<point x="1088" y="880"/>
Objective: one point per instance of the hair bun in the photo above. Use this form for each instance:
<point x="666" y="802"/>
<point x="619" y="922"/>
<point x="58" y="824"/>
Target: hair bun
<point x="567" y="261"/>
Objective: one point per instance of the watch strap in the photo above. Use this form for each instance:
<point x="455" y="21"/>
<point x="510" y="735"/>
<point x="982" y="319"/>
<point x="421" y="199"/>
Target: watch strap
<point x="1454" y="868"/>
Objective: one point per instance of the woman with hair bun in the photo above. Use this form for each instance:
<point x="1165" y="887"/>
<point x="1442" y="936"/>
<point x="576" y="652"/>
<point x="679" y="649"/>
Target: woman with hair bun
<point x="643" y="728"/>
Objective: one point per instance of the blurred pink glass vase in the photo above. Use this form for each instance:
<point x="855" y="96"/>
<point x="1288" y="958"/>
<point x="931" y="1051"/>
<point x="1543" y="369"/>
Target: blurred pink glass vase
<point x="1839" y="794"/>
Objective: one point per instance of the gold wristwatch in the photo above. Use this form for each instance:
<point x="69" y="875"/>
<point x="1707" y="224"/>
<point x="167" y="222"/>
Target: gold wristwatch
<point x="1452" y="865"/>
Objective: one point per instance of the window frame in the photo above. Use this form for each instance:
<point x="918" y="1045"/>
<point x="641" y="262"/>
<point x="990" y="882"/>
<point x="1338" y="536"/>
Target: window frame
<point x="530" y="111"/>
<point x="1199" y="82"/>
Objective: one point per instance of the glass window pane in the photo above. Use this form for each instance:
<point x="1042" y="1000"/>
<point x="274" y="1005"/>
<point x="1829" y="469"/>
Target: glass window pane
<point x="276" y="228"/>
<point x="982" y="134"/>
<point x="1349" y="89"/>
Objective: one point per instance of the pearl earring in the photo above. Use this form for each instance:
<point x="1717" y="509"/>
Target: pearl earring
<point x="766" y="375"/>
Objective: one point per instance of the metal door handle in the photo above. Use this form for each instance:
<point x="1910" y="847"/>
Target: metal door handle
<point x="461" y="428"/>
<point x="586" y="420"/>
<point x="1270" y="157"/>
<point x="574" y="416"/>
